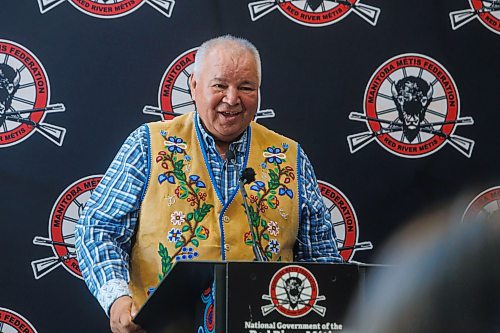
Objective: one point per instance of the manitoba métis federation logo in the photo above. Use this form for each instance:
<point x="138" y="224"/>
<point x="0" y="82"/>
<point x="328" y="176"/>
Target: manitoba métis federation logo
<point x="486" y="11"/>
<point x="24" y="97"/>
<point x="344" y="221"/>
<point x="314" y="13"/>
<point x="13" y="322"/>
<point x="62" y="222"/>
<point x="293" y="292"/>
<point x="411" y="108"/>
<point x="110" y="8"/>
<point x="484" y="207"/>
<point x="174" y="96"/>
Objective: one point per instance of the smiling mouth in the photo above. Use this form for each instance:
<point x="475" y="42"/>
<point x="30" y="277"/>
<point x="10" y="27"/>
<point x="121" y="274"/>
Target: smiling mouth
<point x="230" y="113"/>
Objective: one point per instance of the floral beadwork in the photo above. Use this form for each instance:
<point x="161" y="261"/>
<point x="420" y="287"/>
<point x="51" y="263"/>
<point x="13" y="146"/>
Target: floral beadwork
<point x="186" y="253"/>
<point x="273" y="228"/>
<point x="274" y="246"/>
<point x="274" y="155"/>
<point x="151" y="290"/>
<point x="175" y="144"/>
<point x="265" y="195"/>
<point x="177" y="218"/>
<point x="175" y="163"/>
<point x="174" y="235"/>
<point x="170" y="200"/>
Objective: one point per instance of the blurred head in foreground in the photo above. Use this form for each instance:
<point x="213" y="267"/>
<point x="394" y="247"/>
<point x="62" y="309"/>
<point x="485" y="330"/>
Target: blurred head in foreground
<point x="445" y="279"/>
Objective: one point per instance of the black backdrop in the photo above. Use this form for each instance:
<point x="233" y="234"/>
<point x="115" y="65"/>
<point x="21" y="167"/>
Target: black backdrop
<point x="105" y="70"/>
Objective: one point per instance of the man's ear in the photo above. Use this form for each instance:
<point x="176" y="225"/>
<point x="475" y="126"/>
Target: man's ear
<point x="192" y="85"/>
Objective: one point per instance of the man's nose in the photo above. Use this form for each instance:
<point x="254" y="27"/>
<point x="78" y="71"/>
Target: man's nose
<point x="232" y="96"/>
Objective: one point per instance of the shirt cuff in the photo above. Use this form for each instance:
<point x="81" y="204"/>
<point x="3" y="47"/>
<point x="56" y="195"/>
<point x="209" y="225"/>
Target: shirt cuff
<point x="110" y="291"/>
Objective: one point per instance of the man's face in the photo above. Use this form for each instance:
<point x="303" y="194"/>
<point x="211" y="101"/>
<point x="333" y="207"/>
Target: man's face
<point x="226" y="91"/>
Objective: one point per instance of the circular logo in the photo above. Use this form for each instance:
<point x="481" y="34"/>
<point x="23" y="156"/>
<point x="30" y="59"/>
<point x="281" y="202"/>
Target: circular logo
<point x="107" y="8"/>
<point x="344" y="218"/>
<point x="24" y="88"/>
<point x="174" y="94"/>
<point x="412" y="106"/>
<point x="488" y="13"/>
<point x="485" y="206"/>
<point x="315" y="13"/>
<point x="64" y="217"/>
<point x="293" y="291"/>
<point x="12" y="322"/>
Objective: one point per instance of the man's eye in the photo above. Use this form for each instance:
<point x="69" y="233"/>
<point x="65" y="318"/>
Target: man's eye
<point x="219" y="86"/>
<point x="247" y="88"/>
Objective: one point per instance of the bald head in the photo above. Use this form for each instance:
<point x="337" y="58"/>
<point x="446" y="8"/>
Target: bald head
<point x="230" y="44"/>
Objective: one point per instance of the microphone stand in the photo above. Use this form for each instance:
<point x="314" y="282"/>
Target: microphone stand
<point x="256" y="251"/>
<point x="247" y="176"/>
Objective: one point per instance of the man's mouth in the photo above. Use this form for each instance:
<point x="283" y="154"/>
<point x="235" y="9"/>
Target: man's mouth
<point x="230" y="113"/>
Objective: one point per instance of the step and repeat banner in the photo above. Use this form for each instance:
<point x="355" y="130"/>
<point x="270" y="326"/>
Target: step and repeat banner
<point x="395" y="103"/>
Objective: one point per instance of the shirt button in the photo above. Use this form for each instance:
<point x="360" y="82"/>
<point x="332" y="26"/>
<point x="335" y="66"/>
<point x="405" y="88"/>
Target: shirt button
<point x="225" y="219"/>
<point x="226" y="247"/>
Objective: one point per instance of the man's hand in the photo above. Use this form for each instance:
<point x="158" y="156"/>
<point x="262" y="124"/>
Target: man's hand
<point x="120" y="316"/>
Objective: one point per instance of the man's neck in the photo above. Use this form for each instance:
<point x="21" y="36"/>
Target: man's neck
<point x="222" y="148"/>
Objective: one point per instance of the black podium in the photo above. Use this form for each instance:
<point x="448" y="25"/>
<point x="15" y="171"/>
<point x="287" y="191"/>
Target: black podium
<point x="252" y="297"/>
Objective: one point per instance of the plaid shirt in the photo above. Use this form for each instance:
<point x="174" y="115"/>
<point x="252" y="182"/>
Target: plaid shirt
<point x="107" y="224"/>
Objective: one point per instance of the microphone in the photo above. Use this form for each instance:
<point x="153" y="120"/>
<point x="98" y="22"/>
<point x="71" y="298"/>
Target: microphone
<point x="230" y="157"/>
<point x="247" y="176"/>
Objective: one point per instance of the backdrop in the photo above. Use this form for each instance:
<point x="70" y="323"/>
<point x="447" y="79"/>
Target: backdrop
<point x="395" y="103"/>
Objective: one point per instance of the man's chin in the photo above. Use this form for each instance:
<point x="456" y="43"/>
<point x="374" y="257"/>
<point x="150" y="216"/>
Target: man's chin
<point x="228" y="136"/>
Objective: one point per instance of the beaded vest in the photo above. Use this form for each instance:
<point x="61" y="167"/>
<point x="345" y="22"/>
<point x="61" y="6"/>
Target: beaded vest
<point x="183" y="217"/>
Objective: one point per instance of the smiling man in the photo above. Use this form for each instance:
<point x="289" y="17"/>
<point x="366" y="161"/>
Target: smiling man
<point x="225" y="88"/>
<point x="172" y="188"/>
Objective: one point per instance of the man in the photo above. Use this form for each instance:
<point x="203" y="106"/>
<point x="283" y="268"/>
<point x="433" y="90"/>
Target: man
<point x="175" y="179"/>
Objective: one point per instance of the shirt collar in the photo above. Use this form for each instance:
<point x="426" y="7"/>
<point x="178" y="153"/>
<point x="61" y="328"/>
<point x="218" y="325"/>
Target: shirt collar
<point x="209" y="142"/>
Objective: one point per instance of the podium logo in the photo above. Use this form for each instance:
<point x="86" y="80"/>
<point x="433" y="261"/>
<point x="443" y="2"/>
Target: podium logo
<point x="485" y="206"/>
<point x="344" y="220"/>
<point x="12" y="322"/>
<point x="174" y="95"/>
<point x="293" y="292"/>
<point x="314" y="13"/>
<point x="411" y="108"/>
<point x="62" y="221"/>
<point x="486" y="11"/>
<point x="24" y="97"/>
<point x="110" y="8"/>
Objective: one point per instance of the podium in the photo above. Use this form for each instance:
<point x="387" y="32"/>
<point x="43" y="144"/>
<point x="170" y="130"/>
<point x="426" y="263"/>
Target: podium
<point x="252" y="297"/>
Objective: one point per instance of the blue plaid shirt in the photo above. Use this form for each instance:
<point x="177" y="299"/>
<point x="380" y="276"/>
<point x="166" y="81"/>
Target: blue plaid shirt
<point x="107" y="224"/>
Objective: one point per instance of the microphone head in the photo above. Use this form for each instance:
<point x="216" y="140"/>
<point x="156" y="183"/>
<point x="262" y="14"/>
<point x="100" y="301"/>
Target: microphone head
<point x="248" y="176"/>
<point x="230" y="155"/>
